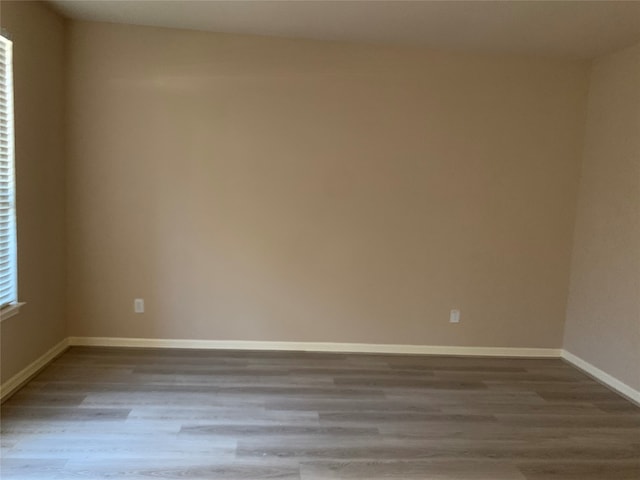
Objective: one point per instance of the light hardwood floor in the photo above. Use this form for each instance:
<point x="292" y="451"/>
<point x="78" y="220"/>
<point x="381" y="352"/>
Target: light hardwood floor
<point x="129" y="413"/>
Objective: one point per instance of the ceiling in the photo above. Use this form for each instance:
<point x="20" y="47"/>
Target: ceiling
<point x="576" y="29"/>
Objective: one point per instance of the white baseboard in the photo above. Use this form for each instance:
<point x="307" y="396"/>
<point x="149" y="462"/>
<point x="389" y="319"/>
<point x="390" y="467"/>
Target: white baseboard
<point x="315" y="347"/>
<point x="23" y="376"/>
<point x="603" y="377"/>
<point x="19" y="379"/>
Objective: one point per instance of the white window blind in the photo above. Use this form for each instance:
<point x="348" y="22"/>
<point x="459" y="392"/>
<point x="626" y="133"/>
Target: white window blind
<point x="8" y="258"/>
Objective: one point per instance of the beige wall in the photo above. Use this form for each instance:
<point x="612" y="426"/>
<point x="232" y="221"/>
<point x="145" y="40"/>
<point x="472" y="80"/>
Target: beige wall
<point x="269" y="189"/>
<point x="39" y="82"/>
<point x="603" y="317"/>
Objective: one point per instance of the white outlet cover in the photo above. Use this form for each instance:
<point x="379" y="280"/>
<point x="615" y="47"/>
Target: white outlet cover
<point x="454" y="316"/>
<point x="138" y="305"/>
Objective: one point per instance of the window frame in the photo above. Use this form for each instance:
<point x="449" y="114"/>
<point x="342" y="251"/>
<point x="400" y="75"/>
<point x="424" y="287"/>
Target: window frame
<point x="12" y="307"/>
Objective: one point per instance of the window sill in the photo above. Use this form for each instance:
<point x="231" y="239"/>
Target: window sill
<point x="10" y="310"/>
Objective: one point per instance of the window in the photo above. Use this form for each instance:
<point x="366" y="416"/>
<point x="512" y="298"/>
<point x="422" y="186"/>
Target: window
<point x="8" y="244"/>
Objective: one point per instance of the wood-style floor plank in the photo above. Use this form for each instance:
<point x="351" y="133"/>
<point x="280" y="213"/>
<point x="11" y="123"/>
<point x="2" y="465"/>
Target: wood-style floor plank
<point x="190" y="414"/>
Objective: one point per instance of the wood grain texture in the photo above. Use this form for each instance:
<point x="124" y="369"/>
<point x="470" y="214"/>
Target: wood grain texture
<point x="133" y="413"/>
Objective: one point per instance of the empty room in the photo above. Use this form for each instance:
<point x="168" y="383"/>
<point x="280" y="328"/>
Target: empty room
<point x="320" y="240"/>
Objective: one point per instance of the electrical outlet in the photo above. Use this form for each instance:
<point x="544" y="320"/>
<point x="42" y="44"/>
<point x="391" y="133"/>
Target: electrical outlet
<point x="138" y="305"/>
<point x="454" y="316"/>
